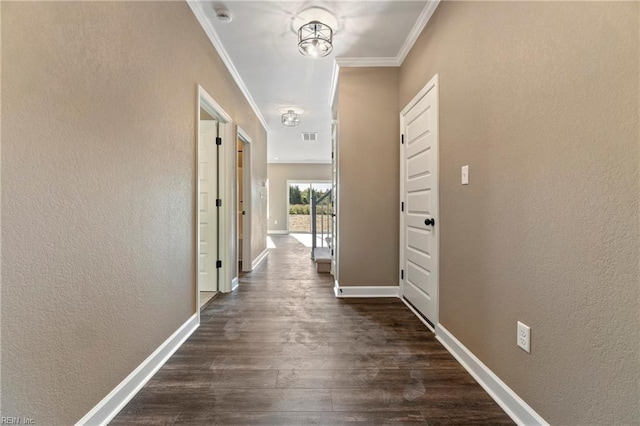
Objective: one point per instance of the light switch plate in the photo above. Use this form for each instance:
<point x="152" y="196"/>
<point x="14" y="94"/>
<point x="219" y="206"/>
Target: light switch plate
<point x="465" y="175"/>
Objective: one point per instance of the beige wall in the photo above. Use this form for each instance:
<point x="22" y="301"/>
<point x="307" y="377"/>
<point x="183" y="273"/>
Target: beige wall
<point x="368" y="195"/>
<point x="98" y="201"/>
<point x="278" y="194"/>
<point x="541" y="100"/>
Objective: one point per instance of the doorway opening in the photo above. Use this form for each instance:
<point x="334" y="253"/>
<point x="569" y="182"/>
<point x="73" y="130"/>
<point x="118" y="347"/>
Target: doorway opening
<point x="244" y="193"/>
<point x="211" y="261"/>
<point x="304" y="198"/>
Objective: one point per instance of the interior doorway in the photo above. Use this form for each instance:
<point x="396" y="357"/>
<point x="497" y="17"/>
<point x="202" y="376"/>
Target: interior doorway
<point x="208" y="219"/>
<point x="212" y="242"/>
<point x="244" y="194"/>
<point x="300" y="207"/>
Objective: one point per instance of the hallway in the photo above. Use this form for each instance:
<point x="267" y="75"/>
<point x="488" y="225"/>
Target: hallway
<point x="282" y="350"/>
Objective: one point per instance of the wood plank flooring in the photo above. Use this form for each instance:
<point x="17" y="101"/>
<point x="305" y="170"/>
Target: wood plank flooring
<point x="282" y="350"/>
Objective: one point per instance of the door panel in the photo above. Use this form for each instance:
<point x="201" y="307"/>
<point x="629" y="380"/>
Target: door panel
<point x="419" y="173"/>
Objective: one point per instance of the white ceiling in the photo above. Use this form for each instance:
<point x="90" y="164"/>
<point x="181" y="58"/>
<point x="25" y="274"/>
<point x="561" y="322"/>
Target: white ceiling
<point x="261" y="45"/>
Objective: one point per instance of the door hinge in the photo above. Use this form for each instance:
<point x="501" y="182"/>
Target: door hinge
<point x="332" y="155"/>
<point x="402" y="274"/>
<point x="402" y="205"/>
<point x="218" y="264"/>
<point x="244" y="212"/>
<point x="218" y="140"/>
<point x="331" y="252"/>
<point x="402" y="139"/>
<point x="218" y="202"/>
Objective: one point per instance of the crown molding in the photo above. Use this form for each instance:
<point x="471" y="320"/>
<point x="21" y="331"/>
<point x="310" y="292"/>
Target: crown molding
<point x="421" y="22"/>
<point x="423" y="19"/>
<point x="367" y="62"/>
<point x="205" y="23"/>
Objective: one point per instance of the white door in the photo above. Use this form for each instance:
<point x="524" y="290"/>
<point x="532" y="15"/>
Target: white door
<point x="334" y="199"/>
<point x="207" y="214"/>
<point x="419" y="221"/>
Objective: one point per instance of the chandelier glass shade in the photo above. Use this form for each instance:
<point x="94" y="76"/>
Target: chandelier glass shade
<point x="315" y="39"/>
<point x="290" y="119"/>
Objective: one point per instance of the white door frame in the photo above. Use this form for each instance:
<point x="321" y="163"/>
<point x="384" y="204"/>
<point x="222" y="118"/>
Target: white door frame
<point x="247" y="194"/>
<point x="206" y="102"/>
<point x="432" y="84"/>
<point x="310" y="181"/>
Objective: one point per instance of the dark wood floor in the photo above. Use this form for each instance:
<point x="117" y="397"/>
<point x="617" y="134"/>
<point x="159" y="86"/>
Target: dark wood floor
<point x="282" y="350"/>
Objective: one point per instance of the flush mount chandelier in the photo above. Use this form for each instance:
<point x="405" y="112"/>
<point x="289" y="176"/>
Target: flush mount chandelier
<point x="315" y="39"/>
<point x="290" y="119"/>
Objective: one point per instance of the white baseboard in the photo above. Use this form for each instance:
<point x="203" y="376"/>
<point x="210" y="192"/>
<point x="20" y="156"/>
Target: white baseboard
<point x="519" y="411"/>
<point x="278" y="232"/>
<point x="115" y="401"/>
<point x="234" y="283"/>
<point x="259" y="259"/>
<point x="362" y="291"/>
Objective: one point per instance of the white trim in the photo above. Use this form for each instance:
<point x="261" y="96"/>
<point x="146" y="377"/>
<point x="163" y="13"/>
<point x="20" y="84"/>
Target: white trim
<point x="278" y="232"/>
<point x="333" y="89"/>
<point x="234" y="284"/>
<point x="519" y="411"/>
<point x="247" y="179"/>
<point x="226" y="215"/>
<point x="362" y="291"/>
<point x="367" y="62"/>
<point x="418" y="27"/>
<point x="416" y="313"/>
<point x="115" y="401"/>
<point x="209" y="104"/>
<point x="299" y="161"/>
<point x="262" y="256"/>
<point x="423" y="19"/>
<point x="205" y="23"/>
<point x="243" y="135"/>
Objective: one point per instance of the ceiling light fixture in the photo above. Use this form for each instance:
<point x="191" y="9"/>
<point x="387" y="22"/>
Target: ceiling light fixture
<point x="315" y="39"/>
<point x="290" y="119"/>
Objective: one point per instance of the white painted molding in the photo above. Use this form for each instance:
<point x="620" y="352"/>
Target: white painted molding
<point x="333" y="89"/>
<point x="234" y="283"/>
<point x="278" y="232"/>
<point x="367" y="62"/>
<point x="418" y="27"/>
<point x="519" y="411"/>
<point x="299" y="161"/>
<point x="201" y="16"/>
<point x="416" y="313"/>
<point x="243" y="135"/>
<point x="362" y="291"/>
<point x="262" y="256"/>
<point x="423" y="19"/>
<point x="115" y="401"/>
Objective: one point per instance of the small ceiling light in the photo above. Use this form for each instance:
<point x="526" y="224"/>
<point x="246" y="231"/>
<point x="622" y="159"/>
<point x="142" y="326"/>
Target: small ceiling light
<point x="290" y="119"/>
<point x="224" y="15"/>
<point x="314" y="39"/>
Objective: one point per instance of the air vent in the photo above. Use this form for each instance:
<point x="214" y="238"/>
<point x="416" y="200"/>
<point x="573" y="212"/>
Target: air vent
<point x="309" y="136"/>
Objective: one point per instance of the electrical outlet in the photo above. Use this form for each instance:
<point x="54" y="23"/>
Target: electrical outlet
<point x="524" y="337"/>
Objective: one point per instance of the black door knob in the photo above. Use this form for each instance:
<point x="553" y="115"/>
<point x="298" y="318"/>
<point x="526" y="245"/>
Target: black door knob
<point x="431" y="222"/>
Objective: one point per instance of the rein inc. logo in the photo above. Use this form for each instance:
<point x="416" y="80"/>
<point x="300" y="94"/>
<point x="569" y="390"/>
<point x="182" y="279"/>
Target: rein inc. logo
<point x="9" y="420"/>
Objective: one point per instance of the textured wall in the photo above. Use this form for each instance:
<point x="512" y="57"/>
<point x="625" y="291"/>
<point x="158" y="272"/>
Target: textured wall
<point x="278" y="176"/>
<point x="541" y="100"/>
<point x="369" y="167"/>
<point x="98" y="184"/>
